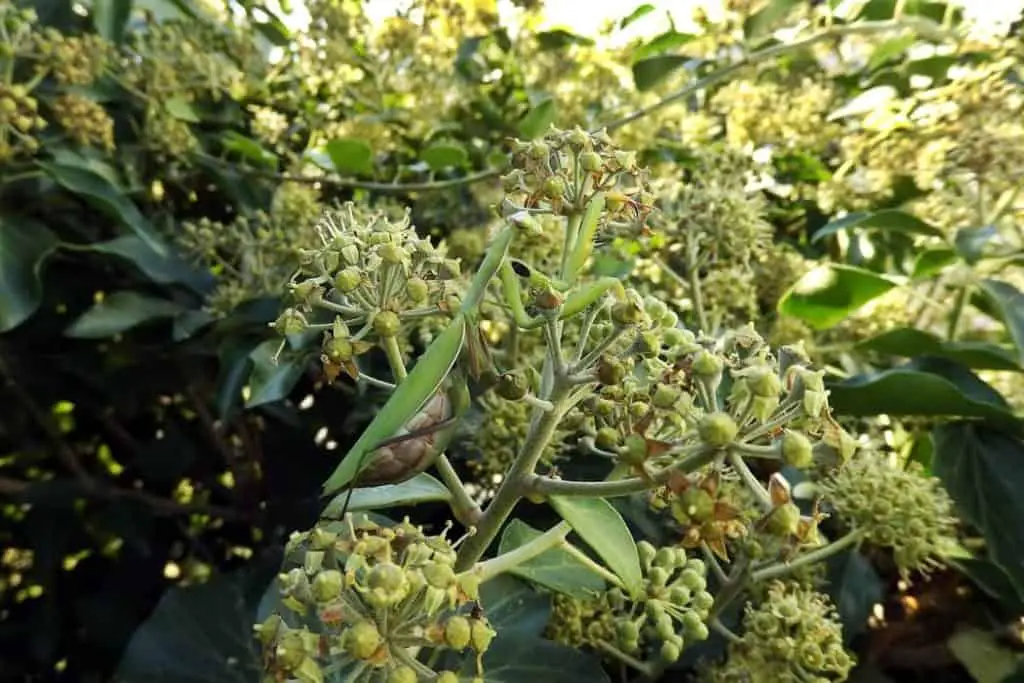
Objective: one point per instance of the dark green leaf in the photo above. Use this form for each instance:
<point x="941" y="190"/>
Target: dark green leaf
<point x="181" y="109"/>
<point x="669" y="40"/>
<point x="931" y="261"/>
<point x="1008" y="301"/>
<point x="161" y="268"/>
<point x="235" y="365"/>
<point x="768" y="18"/>
<point x="889" y="49"/>
<point x="890" y="220"/>
<point x="855" y="588"/>
<point x="984" y="657"/>
<point x="100" y="192"/>
<point x="442" y="155"/>
<point x="983" y="469"/>
<point x="560" y="38"/>
<point x="513" y="607"/>
<point x="422" y="488"/>
<point x="922" y="451"/>
<point x="249" y="148"/>
<point x="271" y="381"/>
<point x="527" y="659"/>
<point x="555" y="569"/>
<point x="639" y="13"/>
<point x="110" y="17"/>
<point x="119" y="312"/>
<point x="993" y="580"/>
<point x="970" y="242"/>
<point x="601" y="526"/>
<point x="197" y="634"/>
<point x="909" y="342"/>
<point x="24" y="246"/>
<point x="538" y="120"/>
<point x="648" y="73"/>
<point x="828" y="294"/>
<point x="924" y="386"/>
<point x="351" y="156"/>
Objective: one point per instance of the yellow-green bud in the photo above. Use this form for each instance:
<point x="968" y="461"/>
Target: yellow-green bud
<point x="669" y="652"/>
<point x="783" y="520"/>
<point x="658" y="576"/>
<point x="797" y="450"/>
<point x="554" y="187"/>
<point x="577" y="137"/>
<point x="696" y="504"/>
<point x="387" y="324"/>
<point x="679" y="595"/>
<point x="693" y="580"/>
<point x="362" y="640"/>
<point x="538" y="150"/>
<point x="321" y="539"/>
<point x="417" y="290"/>
<point x="707" y="364"/>
<point x="403" y="674"/>
<point x="308" y="671"/>
<point x="591" y="162"/>
<point x="628" y="313"/>
<point x="291" y="321"/>
<point x="765" y="383"/>
<point x="268" y="631"/>
<point x="458" y="632"/>
<point x="439" y="574"/>
<point x="348" y="279"/>
<point x="607" y="438"/>
<point x="482" y="635"/>
<point x="391" y="253"/>
<point x="665" y="396"/>
<point x="512" y="386"/>
<point x="338" y="350"/>
<point x="327" y="585"/>
<point x="634" y="449"/>
<point x="447" y="677"/>
<point x="717" y="429"/>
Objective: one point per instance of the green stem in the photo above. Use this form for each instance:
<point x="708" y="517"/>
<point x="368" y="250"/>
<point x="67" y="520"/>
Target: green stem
<point x="394" y="355"/>
<point x="958" y="312"/>
<point x="852" y="538"/>
<point x="585" y="560"/>
<point x="693" y="278"/>
<point x="465" y="509"/>
<point x="750" y="480"/>
<point x="512" y="488"/>
<point x="610" y="649"/>
<point x="551" y="538"/>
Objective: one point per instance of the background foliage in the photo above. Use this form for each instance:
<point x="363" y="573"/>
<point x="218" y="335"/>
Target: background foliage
<point x="164" y="162"/>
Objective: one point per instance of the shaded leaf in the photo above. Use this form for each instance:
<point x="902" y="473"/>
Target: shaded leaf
<point x="649" y="72"/>
<point x="669" y="40"/>
<point x="248" y="148"/>
<point x="527" y="659"/>
<point x="601" y="526"/>
<point x="270" y="381"/>
<point x="970" y="242"/>
<point x="982" y="655"/>
<point x="24" y="246"/>
<point x="166" y="268"/>
<point x="829" y="293"/>
<point x="538" y="120"/>
<point x="1008" y="301"/>
<point x="931" y="261"/>
<point x="909" y="342"/>
<point x="560" y="38"/>
<point x="889" y="220"/>
<point x="982" y="468"/>
<point x="351" y="156"/>
<point x="119" y="312"/>
<point x="181" y="109"/>
<point x="442" y="155"/>
<point x="924" y="386"/>
<point x="993" y="580"/>
<point x="855" y="588"/>
<point x="422" y="488"/>
<point x="555" y="569"/>
<point x="106" y="196"/>
<point x="513" y="607"/>
<point x="110" y="17"/>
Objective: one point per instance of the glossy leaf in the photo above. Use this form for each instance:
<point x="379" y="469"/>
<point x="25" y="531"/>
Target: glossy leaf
<point x="971" y="242"/>
<point x="601" y="526"/>
<point x="993" y="580"/>
<point x="423" y="381"/>
<point x="924" y="386"/>
<point x="351" y="156"/>
<point x="248" y="148"/>
<point x="110" y="17"/>
<point x="982" y="468"/>
<point x="909" y="342"/>
<point x="889" y="220"/>
<point x="538" y="120"/>
<point x="647" y="73"/>
<point x="513" y="607"/>
<point x="269" y="381"/>
<point x="555" y="569"/>
<point x="422" y="488"/>
<point x="442" y="155"/>
<point x="119" y="312"/>
<point x="669" y="40"/>
<point x="855" y="588"/>
<point x="829" y="293"/>
<point x="24" y="246"/>
<point x="1008" y="301"/>
<point x="528" y="659"/>
<point x="161" y="268"/>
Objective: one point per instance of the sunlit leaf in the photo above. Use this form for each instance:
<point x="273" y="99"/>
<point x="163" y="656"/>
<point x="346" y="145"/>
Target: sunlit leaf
<point x="422" y="488"/>
<point x="828" y="294"/>
<point x="538" y="120"/>
<point x="556" y="568"/>
<point x="351" y="156"/>
<point x="601" y="526"/>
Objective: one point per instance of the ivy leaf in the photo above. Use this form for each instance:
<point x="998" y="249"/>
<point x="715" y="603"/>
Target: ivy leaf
<point x="248" y="148"/>
<point x="119" y="312"/>
<point x="181" y="109"/>
<point x="829" y="293"/>
<point x="558" y="39"/>
<point x="986" y="660"/>
<point x="637" y="14"/>
<point x="669" y="40"/>
<point x="110" y="17"/>
<point x="422" y="488"/>
<point x="161" y="268"/>
<point x="649" y="72"/>
<point x="1008" y="301"/>
<point x="24" y="246"/>
<point x="970" y="242"/>
<point x="855" y="588"/>
<point x="270" y="381"/>
<point x="931" y="261"/>
<point x="519" y="658"/>
<point x="909" y="342"/>
<point x="555" y="569"/>
<point x="111" y="199"/>
<point x="601" y="526"/>
<point x="538" y="120"/>
<point x="982" y="468"/>
<point x="513" y="607"/>
<point x="442" y="155"/>
<point x="888" y="220"/>
<point x="351" y="156"/>
<point x="924" y="386"/>
<point x="992" y="579"/>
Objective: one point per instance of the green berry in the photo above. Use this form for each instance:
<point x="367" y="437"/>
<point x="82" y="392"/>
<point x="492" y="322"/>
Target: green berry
<point x="692" y="580"/>
<point x="607" y="438"/>
<point x="634" y="449"/>
<point x="327" y="585"/>
<point x="797" y="450"/>
<point x="362" y="640"/>
<point x="696" y="504"/>
<point x="348" y="280"/>
<point x="665" y="396"/>
<point x="784" y="520"/>
<point x="513" y="386"/>
<point x="482" y="635"/>
<point x="387" y="324"/>
<point x="554" y="187"/>
<point x="458" y="633"/>
<point x="590" y="162"/>
<point x="665" y="557"/>
<point x="417" y="290"/>
<point x="679" y="595"/>
<point x="707" y="364"/>
<point x="403" y="674"/>
<point x="670" y="652"/>
<point x="717" y="429"/>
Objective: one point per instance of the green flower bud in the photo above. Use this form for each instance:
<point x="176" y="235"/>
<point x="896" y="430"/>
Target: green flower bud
<point x="447" y="677"/>
<point x="417" y="290"/>
<point x="458" y="632"/>
<point x="439" y="575"/>
<point x="362" y="640"/>
<point x="665" y="397"/>
<point x="538" y="150"/>
<point x="554" y="187"/>
<point x="392" y="254"/>
<point x="387" y="324"/>
<point x="628" y="313"/>
<point x="268" y="631"/>
<point x="647" y="552"/>
<point x="513" y="386"/>
<point x="338" y="350"/>
<point x="783" y="521"/>
<point x="607" y="438"/>
<point x="610" y="371"/>
<point x="308" y="671"/>
<point x="665" y="557"/>
<point x="707" y="364"/>
<point x="591" y="162"/>
<point x="627" y="632"/>
<point x="797" y="450"/>
<point x="403" y="674"/>
<point x="764" y="382"/>
<point x="658" y="576"/>
<point x="696" y="504"/>
<point x="679" y="595"/>
<point x="664" y="628"/>
<point x="717" y="429"/>
<point x="482" y="635"/>
<point x="327" y="585"/>
<point x="691" y="623"/>
<point x="670" y="652"/>
<point x="700" y="632"/>
<point x="291" y="321"/>
<point x="634" y="449"/>
<point x="322" y="539"/>
<point x="348" y="280"/>
<point x="703" y="600"/>
<point x="388" y="584"/>
<point x="692" y="580"/>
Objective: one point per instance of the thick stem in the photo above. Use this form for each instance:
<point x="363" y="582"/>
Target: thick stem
<point x="513" y="488"/>
<point x="551" y="538"/>
<point x="394" y="355"/>
<point x="852" y="538"/>
<point x="466" y="511"/>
